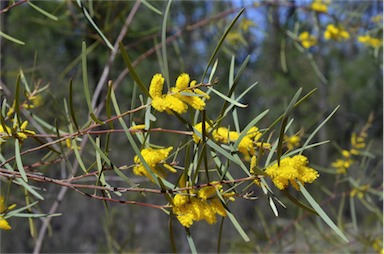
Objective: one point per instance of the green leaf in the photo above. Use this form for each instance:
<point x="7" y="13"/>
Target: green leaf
<point x="317" y="129"/>
<point x="298" y="203"/>
<point x="71" y="107"/>
<point x="132" y="71"/>
<point x="321" y="212"/>
<point x="10" y="38"/>
<point x="232" y="101"/>
<point x="151" y="7"/>
<point x="213" y="56"/>
<point x="93" y="24"/>
<point x="85" y="76"/>
<point x="164" y="43"/>
<point x="19" y="163"/>
<point x="287" y="113"/>
<point x="45" y="13"/>
<point x="248" y="127"/>
<point x="191" y="243"/>
<point x="19" y="180"/>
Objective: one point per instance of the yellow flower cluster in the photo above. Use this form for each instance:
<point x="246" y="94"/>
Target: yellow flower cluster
<point x="370" y="41"/>
<point x="292" y="141"/>
<point x="201" y="205"/>
<point x="357" y="144"/>
<point x="307" y="40"/>
<point x="341" y="165"/>
<point x="319" y="5"/>
<point x="183" y="94"/>
<point x="335" y="33"/>
<point x="223" y="135"/>
<point x="3" y="222"/>
<point x="19" y="133"/>
<point x="360" y="191"/>
<point x="155" y="160"/>
<point x="290" y="170"/>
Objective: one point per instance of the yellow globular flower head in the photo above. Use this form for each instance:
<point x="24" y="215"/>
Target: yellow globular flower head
<point x="292" y="141"/>
<point x="370" y="41"/>
<point x="333" y="32"/>
<point x="319" y="6"/>
<point x="3" y="222"/>
<point x="156" y="86"/>
<point x="307" y="40"/>
<point x="153" y="157"/>
<point x="290" y="170"/>
<point x="191" y="96"/>
<point x="199" y="205"/>
<point x="179" y="97"/>
<point x="182" y="82"/>
<point x="199" y="128"/>
<point x="209" y="191"/>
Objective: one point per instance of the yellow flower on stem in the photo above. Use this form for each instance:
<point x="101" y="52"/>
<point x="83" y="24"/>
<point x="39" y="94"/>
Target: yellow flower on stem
<point x="335" y="33"/>
<point x="290" y="170"/>
<point x="19" y="133"/>
<point x="370" y="41"/>
<point x="3" y="222"/>
<point x="201" y="205"/>
<point x="292" y="141"/>
<point x="155" y="159"/>
<point x="183" y="94"/>
<point x="319" y="6"/>
<point x="307" y="40"/>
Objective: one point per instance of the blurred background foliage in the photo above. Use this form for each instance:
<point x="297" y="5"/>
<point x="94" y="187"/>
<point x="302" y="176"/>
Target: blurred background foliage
<point x="349" y="74"/>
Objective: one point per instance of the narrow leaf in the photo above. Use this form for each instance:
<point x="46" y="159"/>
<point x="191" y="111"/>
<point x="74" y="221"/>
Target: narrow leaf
<point x="321" y="212"/>
<point x="19" y="163"/>
<point x="10" y="38"/>
<point x="45" y="13"/>
<point x="132" y="70"/>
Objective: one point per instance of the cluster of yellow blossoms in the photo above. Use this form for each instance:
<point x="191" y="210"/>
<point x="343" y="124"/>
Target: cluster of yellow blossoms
<point x="177" y="100"/>
<point x="370" y="41"/>
<point x="223" y="135"/>
<point x="155" y="160"/>
<point x="290" y="170"/>
<point x="307" y="40"/>
<point x="357" y="144"/>
<point x="19" y="133"/>
<point x="320" y="5"/>
<point x="3" y="222"/>
<point x="203" y="204"/>
<point x="337" y="33"/>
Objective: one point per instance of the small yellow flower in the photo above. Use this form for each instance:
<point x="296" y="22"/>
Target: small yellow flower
<point x="156" y="86"/>
<point x="292" y="141"/>
<point x="360" y="191"/>
<point x="290" y="170"/>
<point x="319" y="6"/>
<point x="3" y="222"/>
<point x="307" y="40"/>
<point x="34" y="101"/>
<point x="370" y="41"/>
<point x="335" y="33"/>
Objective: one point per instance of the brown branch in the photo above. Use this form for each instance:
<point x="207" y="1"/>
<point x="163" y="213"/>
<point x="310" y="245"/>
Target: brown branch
<point x="13" y="5"/>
